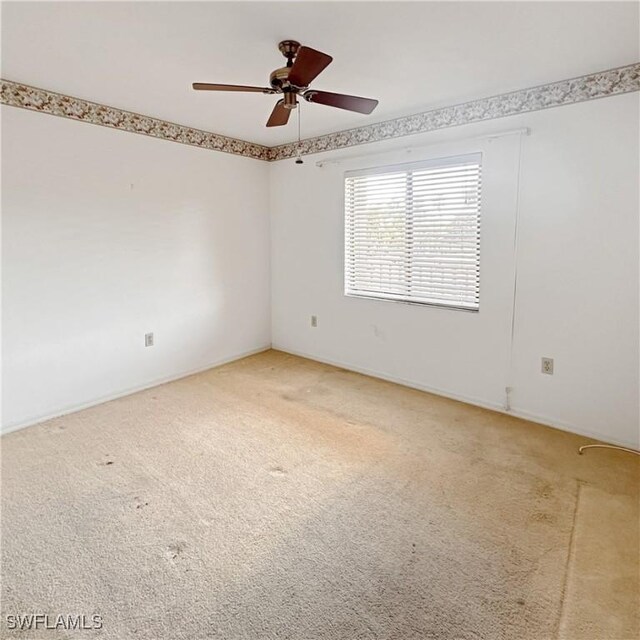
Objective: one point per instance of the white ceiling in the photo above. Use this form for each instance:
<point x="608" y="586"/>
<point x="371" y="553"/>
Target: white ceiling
<point x="143" y="56"/>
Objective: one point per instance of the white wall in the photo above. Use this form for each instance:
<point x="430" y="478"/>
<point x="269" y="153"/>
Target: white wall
<point x="577" y="272"/>
<point x="108" y="235"/>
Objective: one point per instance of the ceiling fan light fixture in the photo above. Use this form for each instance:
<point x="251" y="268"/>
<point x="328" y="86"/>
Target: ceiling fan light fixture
<point x="290" y="101"/>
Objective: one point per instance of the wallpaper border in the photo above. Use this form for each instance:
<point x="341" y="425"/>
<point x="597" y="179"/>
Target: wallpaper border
<point x="27" y="97"/>
<point x="590" y="87"/>
<point x="583" y="88"/>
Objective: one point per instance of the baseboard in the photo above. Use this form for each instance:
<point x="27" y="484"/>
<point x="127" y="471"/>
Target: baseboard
<point x="127" y="392"/>
<point x="478" y="402"/>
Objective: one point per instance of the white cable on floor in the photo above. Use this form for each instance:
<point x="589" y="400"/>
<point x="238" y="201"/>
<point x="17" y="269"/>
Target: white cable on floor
<point x="607" y="446"/>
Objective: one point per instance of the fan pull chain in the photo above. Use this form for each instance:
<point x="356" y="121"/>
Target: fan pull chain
<point x="299" y="159"/>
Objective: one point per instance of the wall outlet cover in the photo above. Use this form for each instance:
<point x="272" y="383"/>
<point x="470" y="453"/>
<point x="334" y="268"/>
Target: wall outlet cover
<point x="148" y="339"/>
<point x="547" y="366"/>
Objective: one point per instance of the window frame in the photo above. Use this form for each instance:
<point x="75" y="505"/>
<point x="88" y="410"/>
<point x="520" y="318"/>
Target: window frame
<point x="444" y="161"/>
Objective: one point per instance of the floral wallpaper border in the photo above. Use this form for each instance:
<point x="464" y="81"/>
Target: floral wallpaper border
<point x="590" y="87"/>
<point x="57" y="104"/>
<point x="597" y="85"/>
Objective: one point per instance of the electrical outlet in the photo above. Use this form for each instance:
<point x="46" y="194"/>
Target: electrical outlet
<point x="547" y="366"/>
<point x="148" y="339"/>
<point x="314" y="321"/>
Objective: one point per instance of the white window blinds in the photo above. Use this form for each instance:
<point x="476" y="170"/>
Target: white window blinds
<point x="412" y="232"/>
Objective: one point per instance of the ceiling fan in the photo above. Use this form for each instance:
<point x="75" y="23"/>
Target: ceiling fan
<point x="304" y="64"/>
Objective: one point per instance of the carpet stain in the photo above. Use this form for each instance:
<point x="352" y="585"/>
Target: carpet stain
<point x="175" y="550"/>
<point x="540" y="516"/>
<point x="139" y="503"/>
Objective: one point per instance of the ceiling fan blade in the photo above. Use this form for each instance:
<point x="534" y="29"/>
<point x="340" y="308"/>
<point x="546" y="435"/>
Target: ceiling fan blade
<point x="206" y="86"/>
<point x="279" y="115"/>
<point x="341" y="101"/>
<point x="307" y="65"/>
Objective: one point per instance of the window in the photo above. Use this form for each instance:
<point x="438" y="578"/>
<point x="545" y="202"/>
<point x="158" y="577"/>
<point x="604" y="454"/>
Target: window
<point x="412" y="232"/>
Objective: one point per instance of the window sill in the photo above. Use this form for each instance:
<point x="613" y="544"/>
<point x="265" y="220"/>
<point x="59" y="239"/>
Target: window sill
<point x="413" y="303"/>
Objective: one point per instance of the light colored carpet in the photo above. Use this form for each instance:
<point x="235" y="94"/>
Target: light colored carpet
<point x="276" y="497"/>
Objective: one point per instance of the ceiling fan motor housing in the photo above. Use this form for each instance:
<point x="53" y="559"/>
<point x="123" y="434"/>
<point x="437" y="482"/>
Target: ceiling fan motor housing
<point x="279" y="77"/>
